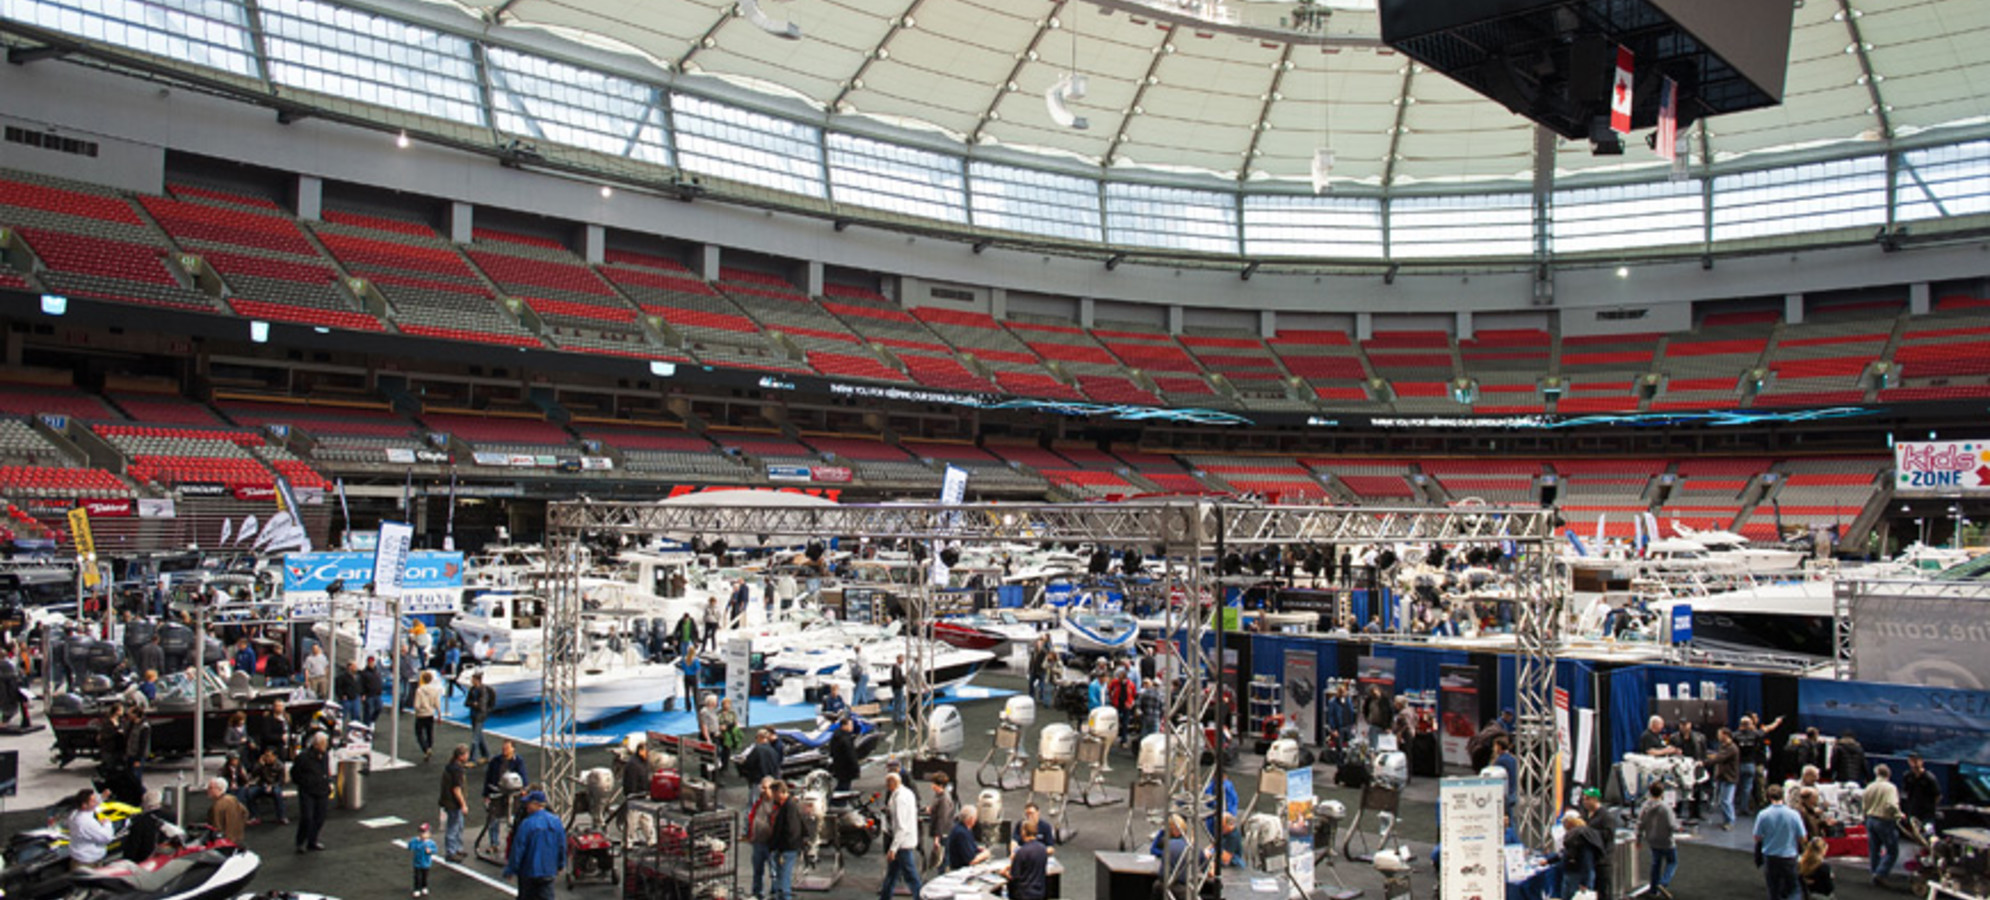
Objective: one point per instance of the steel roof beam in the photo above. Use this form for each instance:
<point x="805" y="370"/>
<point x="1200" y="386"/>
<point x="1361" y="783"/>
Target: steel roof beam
<point x="850" y="83"/>
<point x="1027" y="56"/>
<point x="1264" y="112"/>
<point x="1139" y="93"/>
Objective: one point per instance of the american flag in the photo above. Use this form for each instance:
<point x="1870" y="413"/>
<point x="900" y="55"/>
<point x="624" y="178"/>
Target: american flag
<point x="1668" y="119"/>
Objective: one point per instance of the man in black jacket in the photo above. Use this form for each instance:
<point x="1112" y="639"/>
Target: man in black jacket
<point x="764" y="760"/>
<point x="141" y="836"/>
<point x="371" y="684"/>
<point x="312" y="775"/>
<point x="790" y="836"/>
<point x="1920" y="795"/>
<point x="273" y="730"/>
<point x="346" y="689"/>
<point x="482" y="699"/>
<point x="897" y="682"/>
<point x="843" y="762"/>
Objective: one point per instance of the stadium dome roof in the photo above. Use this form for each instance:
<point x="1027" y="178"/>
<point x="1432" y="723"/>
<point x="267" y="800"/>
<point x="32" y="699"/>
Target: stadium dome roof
<point x="1231" y="89"/>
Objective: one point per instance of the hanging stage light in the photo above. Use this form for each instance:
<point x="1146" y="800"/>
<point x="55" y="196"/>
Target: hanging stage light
<point x="776" y="27"/>
<point x="1056" y="100"/>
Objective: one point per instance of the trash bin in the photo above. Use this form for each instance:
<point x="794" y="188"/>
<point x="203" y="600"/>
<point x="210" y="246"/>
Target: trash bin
<point x="351" y="789"/>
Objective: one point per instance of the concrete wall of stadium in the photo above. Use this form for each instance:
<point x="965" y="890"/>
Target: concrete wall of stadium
<point x="137" y="121"/>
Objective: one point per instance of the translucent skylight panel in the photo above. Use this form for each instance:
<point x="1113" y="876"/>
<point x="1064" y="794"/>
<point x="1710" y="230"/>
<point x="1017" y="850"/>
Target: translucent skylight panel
<point x="746" y="146"/>
<point x="568" y="104"/>
<point x="211" y="33"/>
<point x="1169" y="218"/>
<point x="371" y="59"/>
<point x="1035" y="202"/>
<point x="900" y="179"/>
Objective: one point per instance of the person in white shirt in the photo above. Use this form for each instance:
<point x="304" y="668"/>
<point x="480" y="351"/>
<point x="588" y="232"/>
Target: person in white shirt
<point x="89" y="837"/>
<point x="317" y="672"/>
<point x="901" y="857"/>
<point x="482" y="652"/>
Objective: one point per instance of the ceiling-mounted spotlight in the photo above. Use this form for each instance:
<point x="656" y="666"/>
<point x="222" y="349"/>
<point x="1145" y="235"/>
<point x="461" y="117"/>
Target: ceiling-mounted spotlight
<point x="1068" y="87"/>
<point x="1249" y="270"/>
<point x="1113" y="261"/>
<point x="402" y="140"/>
<point x="980" y="246"/>
<point x="776" y="27"/>
<point x="1323" y="166"/>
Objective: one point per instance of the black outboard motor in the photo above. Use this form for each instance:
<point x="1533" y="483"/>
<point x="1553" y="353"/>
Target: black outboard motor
<point x="10" y="691"/>
<point x="99" y="658"/>
<point x="137" y="633"/>
<point x="176" y="643"/>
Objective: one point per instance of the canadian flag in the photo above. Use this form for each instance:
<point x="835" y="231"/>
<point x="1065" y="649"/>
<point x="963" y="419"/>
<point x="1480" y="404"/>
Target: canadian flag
<point x="1620" y="93"/>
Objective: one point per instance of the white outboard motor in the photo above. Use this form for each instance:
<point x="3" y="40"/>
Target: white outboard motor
<point x="1019" y="711"/>
<point x="1154" y="755"/>
<point x="1265" y="843"/>
<point x="1284" y="754"/>
<point x="597" y="790"/>
<point x="1057" y="744"/>
<point x="988" y="807"/>
<point x="947" y="733"/>
<point x="1103" y="724"/>
<point x="1392" y="770"/>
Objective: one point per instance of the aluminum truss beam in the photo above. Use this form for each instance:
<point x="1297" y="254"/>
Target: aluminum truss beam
<point x="559" y="729"/>
<point x="1188" y="534"/>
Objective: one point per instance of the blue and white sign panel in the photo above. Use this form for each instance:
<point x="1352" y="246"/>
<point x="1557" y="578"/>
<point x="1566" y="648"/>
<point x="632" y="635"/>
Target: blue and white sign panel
<point x="432" y="582"/>
<point x="1681" y="622"/>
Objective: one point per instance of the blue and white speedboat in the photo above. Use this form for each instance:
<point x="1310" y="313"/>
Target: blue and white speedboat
<point x="1100" y="634"/>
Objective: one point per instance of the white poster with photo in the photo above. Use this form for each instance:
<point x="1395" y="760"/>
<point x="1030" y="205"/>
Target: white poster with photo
<point x="1299" y="802"/>
<point x="1473" y="837"/>
<point x="739" y="675"/>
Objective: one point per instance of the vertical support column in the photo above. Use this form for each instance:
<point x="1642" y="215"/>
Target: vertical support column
<point x="594" y="244"/>
<point x="1267" y="324"/>
<point x="998" y="302"/>
<point x="1364" y="326"/>
<point x="1793" y="309"/>
<point x="814" y="278"/>
<point x="1537" y="638"/>
<point x="462" y="219"/>
<point x="1544" y="217"/>
<point x="708" y="262"/>
<point x="558" y="727"/>
<point x="307" y="197"/>
<point x="1919" y="299"/>
<point x="1087" y="312"/>
<point x="1463" y="326"/>
<point x="1174" y="320"/>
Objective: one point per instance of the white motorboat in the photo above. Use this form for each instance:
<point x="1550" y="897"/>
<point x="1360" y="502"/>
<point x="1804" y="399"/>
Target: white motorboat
<point x="511" y="622"/>
<point x="1731" y="547"/>
<point x="948" y="666"/>
<point x="610" y="682"/>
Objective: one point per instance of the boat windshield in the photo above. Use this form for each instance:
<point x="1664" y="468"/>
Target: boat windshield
<point x="1976" y="569"/>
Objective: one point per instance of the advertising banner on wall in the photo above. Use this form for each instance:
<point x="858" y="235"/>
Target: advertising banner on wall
<point x="1302" y="693"/>
<point x="1940" y="723"/>
<point x="1458" y="712"/>
<point x="1912" y="637"/>
<point x="1941" y="467"/>
<point x="1473" y="838"/>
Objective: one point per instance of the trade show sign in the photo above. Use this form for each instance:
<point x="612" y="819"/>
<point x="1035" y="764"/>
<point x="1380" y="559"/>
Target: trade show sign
<point x="1472" y="837"/>
<point x="1941" y="467"/>
<point x="1914" y="638"/>
<point x="1943" y="724"/>
<point x="432" y="582"/>
<point x="1299" y="802"/>
<point x="1458" y="707"/>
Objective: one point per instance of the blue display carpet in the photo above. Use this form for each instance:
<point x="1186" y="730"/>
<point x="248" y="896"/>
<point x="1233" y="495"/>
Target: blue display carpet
<point x="522" y="723"/>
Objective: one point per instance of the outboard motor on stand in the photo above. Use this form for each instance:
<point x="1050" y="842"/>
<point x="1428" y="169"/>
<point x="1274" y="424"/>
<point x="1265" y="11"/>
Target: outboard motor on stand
<point x="1101" y="732"/>
<point x="1056" y="754"/>
<point x="1018" y="714"/>
<point x="989" y="826"/>
<point x="1150" y="785"/>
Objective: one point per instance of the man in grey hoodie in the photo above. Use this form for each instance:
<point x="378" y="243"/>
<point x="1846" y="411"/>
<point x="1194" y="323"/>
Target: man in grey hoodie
<point x="1656" y="826"/>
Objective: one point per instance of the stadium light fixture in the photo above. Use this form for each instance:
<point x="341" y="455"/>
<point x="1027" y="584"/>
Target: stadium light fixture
<point x="607" y="192"/>
<point x="1623" y="271"/>
<point x="1068" y="87"/>
<point x="779" y="28"/>
<point x="54" y="304"/>
<point x="259" y="332"/>
<point x="401" y="140"/>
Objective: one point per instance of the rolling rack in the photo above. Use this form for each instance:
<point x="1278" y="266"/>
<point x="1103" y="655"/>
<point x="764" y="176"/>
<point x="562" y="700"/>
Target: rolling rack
<point x="693" y="855"/>
<point x="1267" y="700"/>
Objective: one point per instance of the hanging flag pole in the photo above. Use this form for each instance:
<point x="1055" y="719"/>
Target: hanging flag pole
<point x="345" y="513"/>
<point x="449" y="525"/>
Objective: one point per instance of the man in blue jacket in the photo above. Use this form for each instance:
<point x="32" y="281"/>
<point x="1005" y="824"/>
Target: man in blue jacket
<point x="538" y="850"/>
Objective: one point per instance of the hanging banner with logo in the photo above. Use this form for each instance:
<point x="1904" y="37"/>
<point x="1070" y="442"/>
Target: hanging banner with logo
<point x="831" y="474"/>
<point x="1473" y="838"/>
<point x="1299" y="802"/>
<point x="1302" y="694"/>
<point x="390" y="557"/>
<point x="156" y="508"/>
<point x="953" y="486"/>
<point x="739" y="676"/>
<point x="1945" y="467"/>
<point x="1943" y="724"/>
<point x="1911" y="636"/>
<point x="86" y="545"/>
<point x="787" y="473"/>
<point x="1458" y="707"/>
<point x="431" y="582"/>
<point x="1668" y="119"/>
<point x="1564" y="740"/>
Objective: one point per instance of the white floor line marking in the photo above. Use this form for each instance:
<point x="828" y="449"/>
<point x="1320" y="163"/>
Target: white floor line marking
<point x="509" y="890"/>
